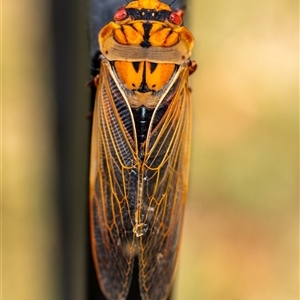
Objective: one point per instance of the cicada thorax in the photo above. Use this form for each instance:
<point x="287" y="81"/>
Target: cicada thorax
<point x="140" y="148"/>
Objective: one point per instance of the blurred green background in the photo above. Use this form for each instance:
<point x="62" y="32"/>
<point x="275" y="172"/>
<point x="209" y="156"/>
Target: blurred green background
<point x="241" y="231"/>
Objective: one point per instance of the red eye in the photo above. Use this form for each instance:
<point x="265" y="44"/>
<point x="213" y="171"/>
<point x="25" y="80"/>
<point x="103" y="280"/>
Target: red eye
<point x="121" y="14"/>
<point x="175" y="17"/>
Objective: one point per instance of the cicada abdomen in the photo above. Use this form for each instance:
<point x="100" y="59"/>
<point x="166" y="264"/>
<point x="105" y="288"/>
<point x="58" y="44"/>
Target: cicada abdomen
<point x="140" y="148"/>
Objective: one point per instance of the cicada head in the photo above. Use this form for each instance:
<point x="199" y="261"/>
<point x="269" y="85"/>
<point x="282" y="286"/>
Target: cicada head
<point x="143" y="25"/>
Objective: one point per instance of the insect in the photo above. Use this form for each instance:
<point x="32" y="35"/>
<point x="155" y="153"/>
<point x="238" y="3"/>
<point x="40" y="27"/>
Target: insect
<point x="140" y="148"/>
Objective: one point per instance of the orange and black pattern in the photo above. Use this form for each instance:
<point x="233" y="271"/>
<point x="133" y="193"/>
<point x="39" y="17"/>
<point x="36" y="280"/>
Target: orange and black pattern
<point x="140" y="148"/>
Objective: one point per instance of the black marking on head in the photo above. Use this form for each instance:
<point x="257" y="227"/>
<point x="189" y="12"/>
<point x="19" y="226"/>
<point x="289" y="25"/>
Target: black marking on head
<point x="152" y="67"/>
<point x="148" y="14"/>
<point x="136" y="65"/>
<point x="145" y="43"/>
<point x="143" y="88"/>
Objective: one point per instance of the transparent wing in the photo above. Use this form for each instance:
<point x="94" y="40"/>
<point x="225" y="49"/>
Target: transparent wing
<point x="164" y="193"/>
<point x="113" y="179"/>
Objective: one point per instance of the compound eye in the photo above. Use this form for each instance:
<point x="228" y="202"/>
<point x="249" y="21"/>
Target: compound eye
<point x="175" y="18"/>
<point x="121" y="14"/>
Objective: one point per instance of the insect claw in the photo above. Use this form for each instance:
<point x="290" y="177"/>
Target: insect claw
<point x="101" y="57"/>
<point x="192" y="67"/>
<point x="90" y="83"/>
<point x="89" y="115"/>
<point x="96" y="80"/>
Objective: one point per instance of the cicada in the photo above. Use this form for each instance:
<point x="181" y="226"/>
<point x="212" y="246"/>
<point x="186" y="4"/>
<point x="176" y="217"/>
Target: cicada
<point x="140" y="148"/>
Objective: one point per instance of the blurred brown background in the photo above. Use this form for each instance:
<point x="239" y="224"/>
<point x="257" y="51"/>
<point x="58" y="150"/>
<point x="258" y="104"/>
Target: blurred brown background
<point x="241" y="234"/>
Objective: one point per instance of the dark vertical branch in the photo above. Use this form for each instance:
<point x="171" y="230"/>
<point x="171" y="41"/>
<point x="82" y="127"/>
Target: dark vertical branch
<point x="71" y="69"/>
